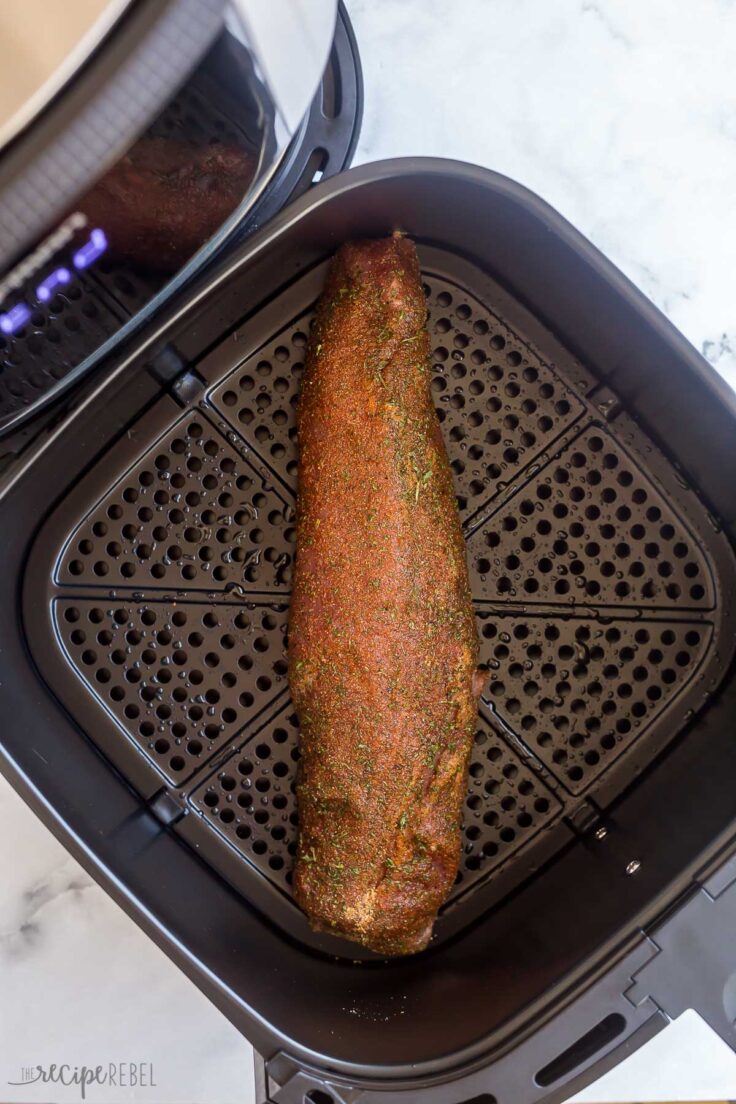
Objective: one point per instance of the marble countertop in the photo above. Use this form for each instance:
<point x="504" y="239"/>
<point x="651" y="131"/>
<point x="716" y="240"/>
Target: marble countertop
<point x="622" y="115"/>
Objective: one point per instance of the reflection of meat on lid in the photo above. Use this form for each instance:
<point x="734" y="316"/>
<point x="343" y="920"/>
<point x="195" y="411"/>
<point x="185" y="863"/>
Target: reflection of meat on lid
<point x="164" y="199"/>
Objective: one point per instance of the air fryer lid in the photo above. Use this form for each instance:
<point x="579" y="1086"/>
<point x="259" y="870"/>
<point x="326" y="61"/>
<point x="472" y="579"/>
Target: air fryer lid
<point x="206" y="170"/>
<point x="100" y="108"/>
<point x="87" y="98"/>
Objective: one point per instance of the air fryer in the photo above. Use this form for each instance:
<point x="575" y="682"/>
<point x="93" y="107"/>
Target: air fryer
<point x="148" y="530"/>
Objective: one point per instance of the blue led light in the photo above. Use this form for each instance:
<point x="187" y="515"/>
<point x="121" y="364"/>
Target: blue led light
<point x="46" y="289"/>
<point x="93" y="249"/>
<point x="15" y="319"/>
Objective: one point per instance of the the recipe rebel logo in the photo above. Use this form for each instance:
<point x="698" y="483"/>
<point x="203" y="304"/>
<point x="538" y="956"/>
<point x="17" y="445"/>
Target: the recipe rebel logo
<point x="122" y="1075"/>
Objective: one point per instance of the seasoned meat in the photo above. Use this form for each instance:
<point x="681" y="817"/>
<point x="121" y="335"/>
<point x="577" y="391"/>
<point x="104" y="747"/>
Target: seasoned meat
<point x="164" y="199"/>
<point x="382" y="640"/>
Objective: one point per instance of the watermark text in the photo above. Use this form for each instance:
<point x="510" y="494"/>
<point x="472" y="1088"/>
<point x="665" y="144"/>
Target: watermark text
<point x="122" y="1075"/>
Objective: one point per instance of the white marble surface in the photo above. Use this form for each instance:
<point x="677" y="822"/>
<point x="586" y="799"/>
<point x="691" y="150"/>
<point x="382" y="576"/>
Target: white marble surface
<point x="622" y="114"/>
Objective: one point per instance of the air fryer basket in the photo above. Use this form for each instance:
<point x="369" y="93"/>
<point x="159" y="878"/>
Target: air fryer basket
<point x="155" y="606"/>
<point x="597" y="580"/>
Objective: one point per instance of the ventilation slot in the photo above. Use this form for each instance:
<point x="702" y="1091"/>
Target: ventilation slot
<point x="580" y="1053"/>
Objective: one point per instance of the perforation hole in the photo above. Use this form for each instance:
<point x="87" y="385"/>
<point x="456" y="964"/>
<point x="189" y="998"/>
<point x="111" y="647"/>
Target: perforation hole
<point x="141" y="536"/>
<point x="180" y="696"/>
<point x="600" y="550"/>
<point x="505" y="803"/>
<point x="582" y="684"/>
<point x="521" y="384"/>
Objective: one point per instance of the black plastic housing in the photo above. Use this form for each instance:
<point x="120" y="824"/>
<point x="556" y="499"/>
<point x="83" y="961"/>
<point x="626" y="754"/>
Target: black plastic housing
<point x="535" y="996"/>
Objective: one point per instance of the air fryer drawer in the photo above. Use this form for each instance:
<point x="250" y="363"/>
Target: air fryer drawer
<point x="153" y="540"/>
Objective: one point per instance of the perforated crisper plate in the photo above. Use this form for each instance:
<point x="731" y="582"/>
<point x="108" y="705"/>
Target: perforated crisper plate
<point x="597" y="577"/>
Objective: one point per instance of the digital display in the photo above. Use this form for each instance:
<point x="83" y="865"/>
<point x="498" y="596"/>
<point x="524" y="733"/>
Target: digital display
<point x="17" y="317"/>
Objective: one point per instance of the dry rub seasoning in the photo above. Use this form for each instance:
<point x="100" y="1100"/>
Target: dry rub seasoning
<point x="382" y="639"/>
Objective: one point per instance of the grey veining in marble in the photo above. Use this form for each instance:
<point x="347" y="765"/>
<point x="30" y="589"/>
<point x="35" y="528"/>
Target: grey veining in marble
<point x="620" y="113"/>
